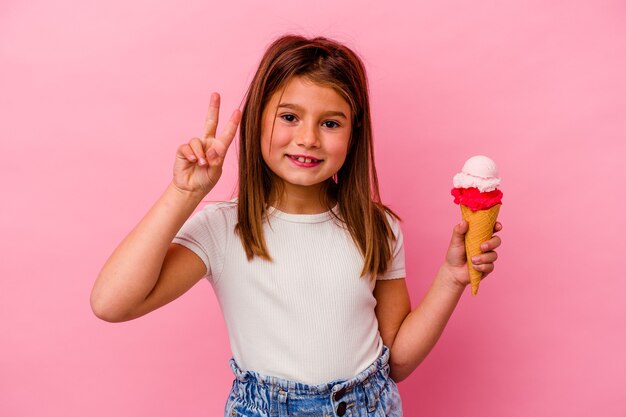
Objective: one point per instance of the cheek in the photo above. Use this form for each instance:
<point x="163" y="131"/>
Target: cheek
<point x="275" y="143"/>
<point x="268" y="149"/>
<point x="340" y="149"/>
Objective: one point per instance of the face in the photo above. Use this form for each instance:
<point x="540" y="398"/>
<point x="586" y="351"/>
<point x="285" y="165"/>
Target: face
<point x="305" y="134"/>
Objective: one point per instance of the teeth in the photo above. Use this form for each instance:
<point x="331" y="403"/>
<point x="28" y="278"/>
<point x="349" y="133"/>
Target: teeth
<point x="304" y="160"/>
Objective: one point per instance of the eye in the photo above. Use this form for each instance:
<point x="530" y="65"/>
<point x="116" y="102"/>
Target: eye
<point x="288" y="117"/>
<point x="331" y="124"/>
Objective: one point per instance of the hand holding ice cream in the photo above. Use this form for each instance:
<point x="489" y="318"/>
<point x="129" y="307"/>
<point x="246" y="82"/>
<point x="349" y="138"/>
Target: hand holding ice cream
<point x="475" y="190"/>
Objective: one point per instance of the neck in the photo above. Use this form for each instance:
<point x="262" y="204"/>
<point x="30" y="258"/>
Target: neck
<point x="300" y="200"/>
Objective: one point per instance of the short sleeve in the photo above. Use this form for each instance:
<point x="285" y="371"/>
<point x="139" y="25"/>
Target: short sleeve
<point x="206" y="234"/>
<point x="396" y="269"/>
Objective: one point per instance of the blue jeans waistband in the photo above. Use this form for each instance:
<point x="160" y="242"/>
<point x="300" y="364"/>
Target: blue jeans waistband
<point x="381" y="364"/>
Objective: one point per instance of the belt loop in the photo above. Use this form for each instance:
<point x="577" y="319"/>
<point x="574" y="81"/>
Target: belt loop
<point x="371" y="393"/>
<point x="282" y="396"/>
<point x="283" y="411"/>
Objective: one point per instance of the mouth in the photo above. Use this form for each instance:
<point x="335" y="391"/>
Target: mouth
<point x="305" y="159"/>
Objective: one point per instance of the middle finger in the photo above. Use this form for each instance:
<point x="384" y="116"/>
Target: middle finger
<point x="491" y="244"/>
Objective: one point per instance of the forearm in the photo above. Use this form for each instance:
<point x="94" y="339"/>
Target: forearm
<point x="132" y="271"/>
<point x="421" y="329"/>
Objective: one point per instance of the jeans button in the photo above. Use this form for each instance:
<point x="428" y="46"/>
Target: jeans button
<point x="339" y="394"/>
<point x="341" y="408"/>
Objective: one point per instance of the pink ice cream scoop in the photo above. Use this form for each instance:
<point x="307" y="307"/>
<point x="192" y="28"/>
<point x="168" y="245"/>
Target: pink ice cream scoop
<point x="476" y="185"/>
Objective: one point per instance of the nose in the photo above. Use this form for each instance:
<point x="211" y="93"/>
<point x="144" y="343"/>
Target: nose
<point x="307" y="136"/>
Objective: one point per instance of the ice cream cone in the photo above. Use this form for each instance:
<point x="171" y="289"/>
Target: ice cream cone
<point x="481" y="223"/>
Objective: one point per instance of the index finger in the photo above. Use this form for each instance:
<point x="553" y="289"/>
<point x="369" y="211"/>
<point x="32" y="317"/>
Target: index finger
<point x="212" y="118"/>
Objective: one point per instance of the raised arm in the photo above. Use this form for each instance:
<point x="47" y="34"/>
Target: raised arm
<point x="146" y="270"/>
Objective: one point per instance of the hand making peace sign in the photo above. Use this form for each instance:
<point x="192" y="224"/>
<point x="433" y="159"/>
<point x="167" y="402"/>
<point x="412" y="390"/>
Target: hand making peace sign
<point x="198" y="164"/>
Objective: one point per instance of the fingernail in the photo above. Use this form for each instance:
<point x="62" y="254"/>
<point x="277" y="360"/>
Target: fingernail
<point x="484" y="246"/>
<point x="475" y="259"/>
<point x="202" y="161"/>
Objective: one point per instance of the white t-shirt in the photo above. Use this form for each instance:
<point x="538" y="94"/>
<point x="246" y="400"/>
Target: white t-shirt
<point x="308" y="315"/>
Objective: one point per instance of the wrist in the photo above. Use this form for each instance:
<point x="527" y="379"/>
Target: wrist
<point x="447" y="276"/>
<point x="190" y="197"/>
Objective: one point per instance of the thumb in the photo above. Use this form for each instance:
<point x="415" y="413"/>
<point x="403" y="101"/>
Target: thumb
<point x="458" y="234"/>
<point x="456" y="251"/>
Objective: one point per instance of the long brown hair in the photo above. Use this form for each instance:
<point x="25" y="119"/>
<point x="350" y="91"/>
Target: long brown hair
<point x="354" y="187"/>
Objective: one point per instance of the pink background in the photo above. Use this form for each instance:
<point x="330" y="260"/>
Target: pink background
<point x="96" y="96"/>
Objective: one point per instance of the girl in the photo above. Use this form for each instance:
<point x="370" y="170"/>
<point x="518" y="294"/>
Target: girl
<point x="307" y="263"/>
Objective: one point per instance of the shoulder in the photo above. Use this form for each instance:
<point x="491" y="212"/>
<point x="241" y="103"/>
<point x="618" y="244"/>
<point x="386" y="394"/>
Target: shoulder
<point x="222" y="206"/>
<point x="396" y="268"/>
<point x="214" y="217"/>
<point x="220" y="210"/>
<point x="393" y="220"/>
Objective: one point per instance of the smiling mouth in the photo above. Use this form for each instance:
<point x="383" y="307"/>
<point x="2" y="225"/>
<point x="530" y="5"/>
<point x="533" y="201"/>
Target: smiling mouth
<point x="304" y="159"/>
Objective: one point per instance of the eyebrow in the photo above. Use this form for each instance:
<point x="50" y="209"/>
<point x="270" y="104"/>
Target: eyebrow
<point x="300" y="108"/>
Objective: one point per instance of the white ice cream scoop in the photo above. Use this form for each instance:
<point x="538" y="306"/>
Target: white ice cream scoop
<point x="478" y="172"/>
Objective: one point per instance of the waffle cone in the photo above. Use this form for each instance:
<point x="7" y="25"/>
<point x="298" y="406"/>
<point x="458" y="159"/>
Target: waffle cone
<point x="481" y="223"/>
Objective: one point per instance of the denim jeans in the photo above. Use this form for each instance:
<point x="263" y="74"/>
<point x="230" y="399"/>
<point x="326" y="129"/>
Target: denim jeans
<point x="369" y="394"/>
